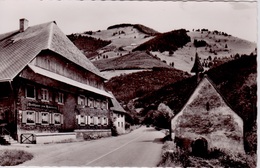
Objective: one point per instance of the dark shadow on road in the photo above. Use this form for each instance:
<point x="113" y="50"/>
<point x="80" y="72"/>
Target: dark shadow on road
<point x="156" y="140"/>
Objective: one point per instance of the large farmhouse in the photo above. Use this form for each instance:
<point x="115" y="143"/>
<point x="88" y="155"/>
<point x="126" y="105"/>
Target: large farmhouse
<point x="207" y="122"/>
<point x="47" y="84"/>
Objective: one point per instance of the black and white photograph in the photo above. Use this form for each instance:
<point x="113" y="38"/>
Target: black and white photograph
<point x="128" y="83"/>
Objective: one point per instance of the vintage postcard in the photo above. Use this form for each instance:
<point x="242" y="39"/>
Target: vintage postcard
<point x="128" y="83"/>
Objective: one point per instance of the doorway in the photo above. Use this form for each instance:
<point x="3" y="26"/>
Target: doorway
<point x="200" y="147"/>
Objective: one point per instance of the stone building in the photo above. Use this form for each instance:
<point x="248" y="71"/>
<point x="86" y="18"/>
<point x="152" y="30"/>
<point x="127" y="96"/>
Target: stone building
<point x="207" y="122"/>
<point x="47" y="84"/>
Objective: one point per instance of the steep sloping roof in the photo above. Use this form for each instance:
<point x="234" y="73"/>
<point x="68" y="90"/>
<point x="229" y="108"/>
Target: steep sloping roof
<point x="116" y="105"/>
<point x="206" y="79"/>
<point x="17" y="49"/>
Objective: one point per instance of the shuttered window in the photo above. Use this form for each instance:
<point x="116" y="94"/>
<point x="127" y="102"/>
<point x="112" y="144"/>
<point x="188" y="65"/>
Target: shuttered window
<point x="57" y="119"/>
<point x="90" y="120"/>
<point x="45" y="118"/>
<point x="81" y="100"/>
<point x="99" y="120"/>
<point x="29" y="117"/>
<point x="104" y="121"/>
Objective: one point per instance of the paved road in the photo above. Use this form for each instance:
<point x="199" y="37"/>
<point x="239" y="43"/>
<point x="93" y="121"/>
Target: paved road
<point x="141" y="148"/>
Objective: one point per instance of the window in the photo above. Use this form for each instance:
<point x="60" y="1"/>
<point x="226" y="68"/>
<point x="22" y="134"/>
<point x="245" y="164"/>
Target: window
<point x="82" y="120"/>
<point x="30" y="91"/>
<point x="45" y="118"/>
<point x="103" y="105"/>
<point x="91" y="120"/>
<point x="90" y="102"/>
<point x="104" y="121"/>
<point x="99" y="120"/>
<point x="122" y="124"/>
<point x="96" y="120"/>
<point x="60" y="98"/>
<point x="97" y="104"/>
<point x="28" y="117"/>
<point x="118" y="124"/>
<point x="44" y="95"/>
<point x="81" y="100"/>
<point x="56" y="119"/>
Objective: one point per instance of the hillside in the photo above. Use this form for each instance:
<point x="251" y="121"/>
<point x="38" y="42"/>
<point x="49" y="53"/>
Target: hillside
<point x="123" y="37"/>
<point x="140" y="27"/>
<point x="236" y="81"/>
<point x="134" y="60"/>
<point x="88" y="45"/>
<point x="177" y="46"/>
<point x="169" y="41"/>
<point x="128" y="87"/>
<point x="210" y="46"/>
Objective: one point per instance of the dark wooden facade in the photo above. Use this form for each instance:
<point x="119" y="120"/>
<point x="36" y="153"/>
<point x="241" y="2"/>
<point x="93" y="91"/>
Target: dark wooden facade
<point x="35" y="103"/>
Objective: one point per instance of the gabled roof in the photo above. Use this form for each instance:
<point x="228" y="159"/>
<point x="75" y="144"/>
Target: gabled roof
<point x="207" y="80"/>
<point x="17" y="49"/>
<point x="116" y="105"/>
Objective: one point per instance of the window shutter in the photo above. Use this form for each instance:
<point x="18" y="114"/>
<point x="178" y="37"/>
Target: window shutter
<point x="78" y="117"/>
<point x="40" y="117"/>
<point x="86" y="119"/>
<point x="50" y="95"/>
<point x="56" y="97"/>
<point x="37" y="120"/>
<point x="24" y="117"/>
<point x="78" y="100"/>
<point x="89" y="120"/>
<point x="86" y="101"/>
<point x="96" y="120"/>
<point x="50" y="118"/>
<point x="61" y="118"/>
<point x="39" y="94"/>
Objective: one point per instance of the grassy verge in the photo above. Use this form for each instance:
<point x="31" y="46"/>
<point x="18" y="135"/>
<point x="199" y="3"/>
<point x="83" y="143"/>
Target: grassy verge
<point x="13" y="157"/>
<point x="173" y="156"/>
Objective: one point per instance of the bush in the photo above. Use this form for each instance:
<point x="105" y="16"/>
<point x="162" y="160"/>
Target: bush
<point x="199" y="43"/>
<point x="173" y="156"/>
<point x="229" y="160"/>
<point x="14" y="157"/>
<point x="114" y="130"/>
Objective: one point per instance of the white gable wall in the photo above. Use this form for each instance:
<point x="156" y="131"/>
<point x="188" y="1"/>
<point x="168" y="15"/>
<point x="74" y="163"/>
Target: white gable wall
<point x="217" y="123"/>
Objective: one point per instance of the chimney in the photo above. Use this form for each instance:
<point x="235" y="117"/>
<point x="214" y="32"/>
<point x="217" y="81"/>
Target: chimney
<point x="24" y="23"/>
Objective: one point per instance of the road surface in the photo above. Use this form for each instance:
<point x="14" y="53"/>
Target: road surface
<point x="141" y="148"/>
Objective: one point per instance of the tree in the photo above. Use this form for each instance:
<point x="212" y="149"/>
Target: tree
<point x="168" y="115"/>
<point x="170" y="52"/>
<point x="197" y="67"/>
<point x="209" y="58"/>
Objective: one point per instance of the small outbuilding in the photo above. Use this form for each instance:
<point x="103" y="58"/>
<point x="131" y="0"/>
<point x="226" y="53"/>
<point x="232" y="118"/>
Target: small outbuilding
<point x="207" y="122"/>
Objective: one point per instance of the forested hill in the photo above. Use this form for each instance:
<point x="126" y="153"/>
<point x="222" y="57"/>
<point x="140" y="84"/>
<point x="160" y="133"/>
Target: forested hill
<point x="236" y="81"/>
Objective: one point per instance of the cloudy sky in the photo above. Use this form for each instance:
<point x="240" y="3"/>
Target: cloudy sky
<point x="236" y="18"/>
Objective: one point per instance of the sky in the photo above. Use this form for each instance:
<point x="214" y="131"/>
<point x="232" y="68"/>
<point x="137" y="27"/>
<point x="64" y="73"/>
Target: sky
<point x="236" y="18"/>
